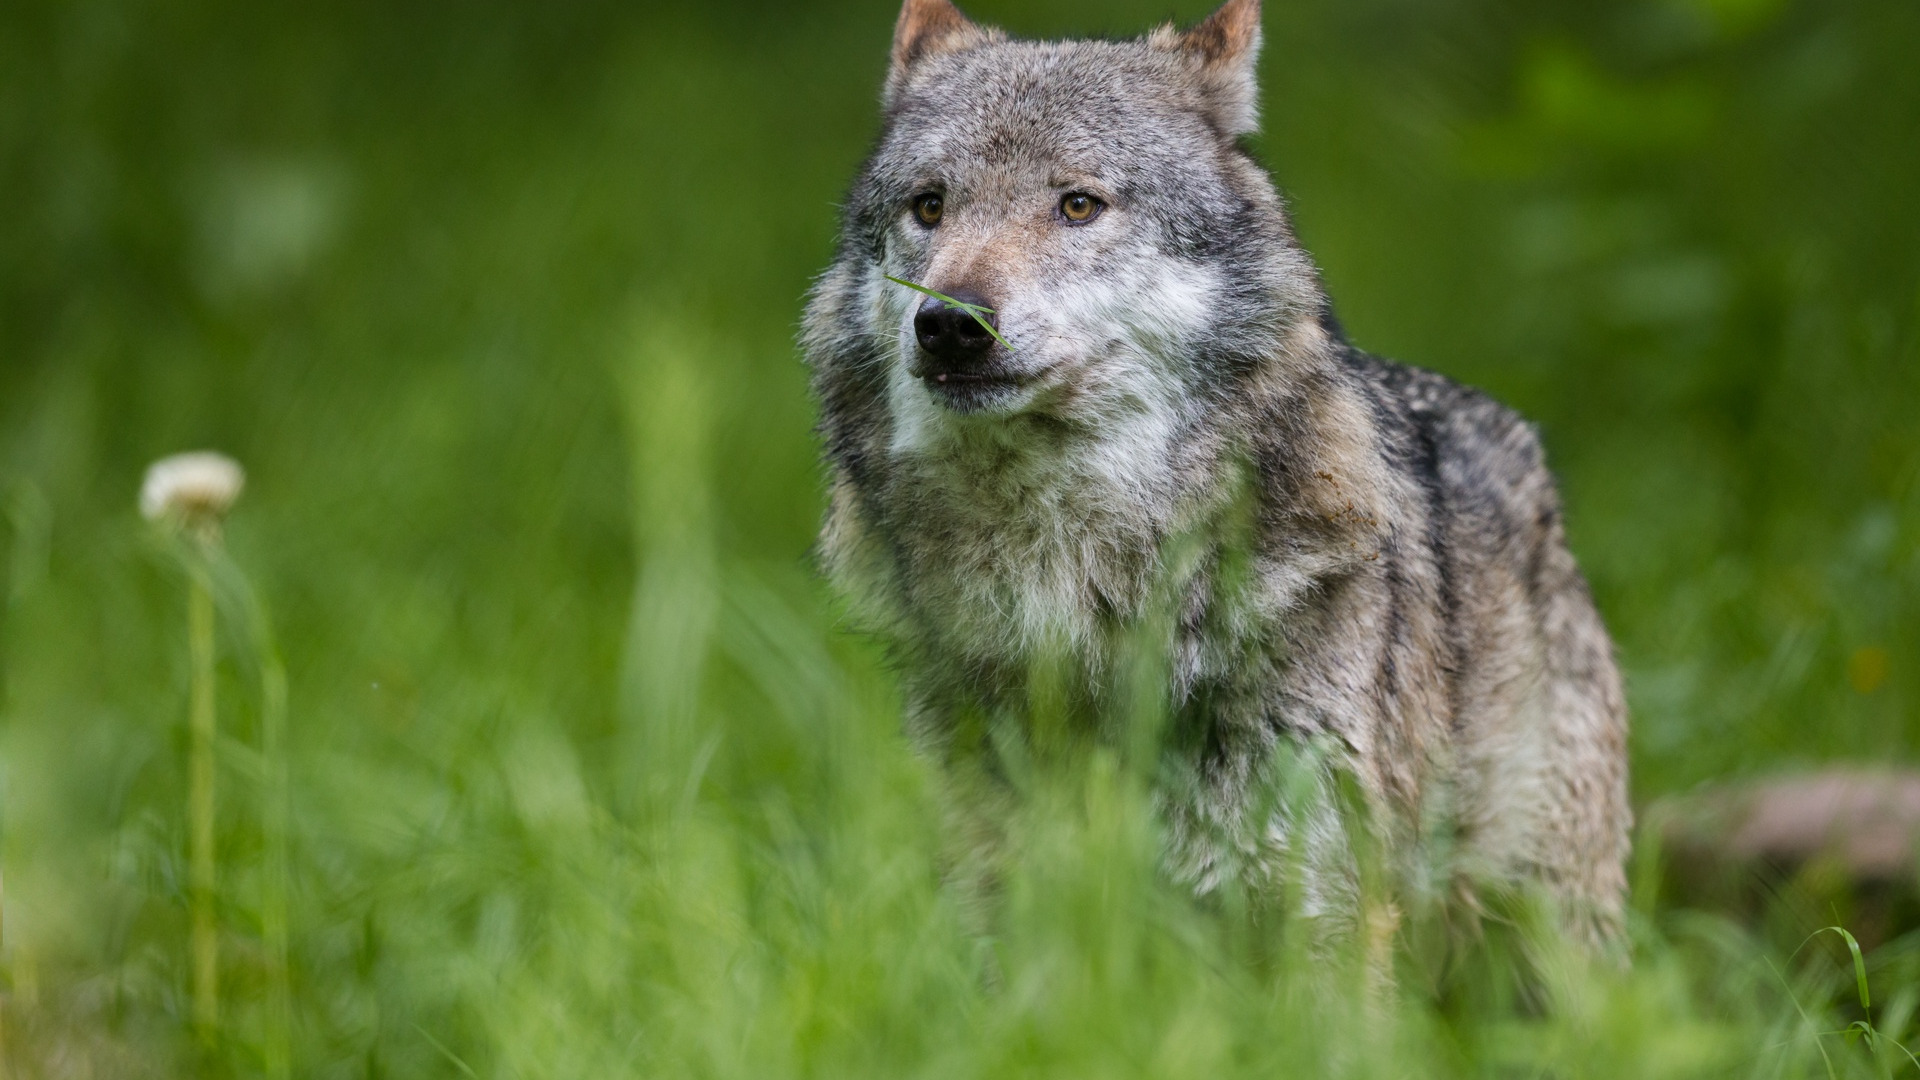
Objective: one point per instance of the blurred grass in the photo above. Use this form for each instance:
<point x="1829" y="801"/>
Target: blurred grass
<point x="496" y="303"/>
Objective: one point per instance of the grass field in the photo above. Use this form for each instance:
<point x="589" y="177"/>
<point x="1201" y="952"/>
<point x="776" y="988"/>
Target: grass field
<point x="496" y="303"/>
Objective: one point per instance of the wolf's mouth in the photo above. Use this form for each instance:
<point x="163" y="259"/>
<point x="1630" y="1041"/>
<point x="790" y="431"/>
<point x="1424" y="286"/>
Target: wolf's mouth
<point x="970" y="391"/>
<point x="969" y="378"/>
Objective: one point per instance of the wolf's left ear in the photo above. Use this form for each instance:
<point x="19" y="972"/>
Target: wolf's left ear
<point x="1225" y="48"/>
<point x="928" y="28"/>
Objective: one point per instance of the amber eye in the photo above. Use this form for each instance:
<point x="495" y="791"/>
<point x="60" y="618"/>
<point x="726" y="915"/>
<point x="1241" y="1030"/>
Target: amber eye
<point x="928" y="208"/>
<point x="1080" y="207"/>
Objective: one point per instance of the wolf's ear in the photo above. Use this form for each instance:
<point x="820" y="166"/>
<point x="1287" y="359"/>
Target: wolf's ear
<point x="928" y="28"/>
<point x="1226" y="48"/>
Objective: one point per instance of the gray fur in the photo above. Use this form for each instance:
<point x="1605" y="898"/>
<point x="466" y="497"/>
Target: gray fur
<point x="1407" y="597"/>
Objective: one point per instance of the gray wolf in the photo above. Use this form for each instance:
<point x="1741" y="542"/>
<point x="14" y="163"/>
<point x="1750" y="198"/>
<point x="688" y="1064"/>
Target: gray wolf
<point x="1355" y="555"/>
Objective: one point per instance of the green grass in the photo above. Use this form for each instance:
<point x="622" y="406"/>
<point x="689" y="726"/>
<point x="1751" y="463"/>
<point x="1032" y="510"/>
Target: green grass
<point x="584" y="775"/>
<point x="979" y="313"/>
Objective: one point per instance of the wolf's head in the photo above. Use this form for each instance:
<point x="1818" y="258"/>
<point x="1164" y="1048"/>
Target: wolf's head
<point x="1094" y="196"/>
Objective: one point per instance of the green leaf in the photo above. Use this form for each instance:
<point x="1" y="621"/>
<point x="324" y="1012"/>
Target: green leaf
<point x="974" y="310"/>
<point x="1859" y="962"/>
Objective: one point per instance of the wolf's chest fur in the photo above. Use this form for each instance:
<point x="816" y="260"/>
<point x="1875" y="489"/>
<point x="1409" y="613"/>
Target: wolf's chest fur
<point x="1016" y="538"/>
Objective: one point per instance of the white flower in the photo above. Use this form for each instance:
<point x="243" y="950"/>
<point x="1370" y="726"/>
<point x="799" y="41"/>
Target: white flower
<point x="198" y="486"/>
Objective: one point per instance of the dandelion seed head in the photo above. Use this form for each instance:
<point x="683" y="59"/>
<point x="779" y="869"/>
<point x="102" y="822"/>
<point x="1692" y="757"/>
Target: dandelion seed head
<point x="198" y="486"/>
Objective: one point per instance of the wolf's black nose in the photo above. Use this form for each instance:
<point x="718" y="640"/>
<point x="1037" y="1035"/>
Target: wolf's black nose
<point x="952" y="335"/>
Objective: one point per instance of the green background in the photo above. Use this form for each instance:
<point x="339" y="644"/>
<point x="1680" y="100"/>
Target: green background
<point x="496" y="303"/>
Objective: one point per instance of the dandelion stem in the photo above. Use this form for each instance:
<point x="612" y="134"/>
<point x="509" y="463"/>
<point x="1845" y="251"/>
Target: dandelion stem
<point x="5" y="1072"/>
<point x="201" y="879"/>
<point x="273" y="907"/>
<point x="195" y="490"/>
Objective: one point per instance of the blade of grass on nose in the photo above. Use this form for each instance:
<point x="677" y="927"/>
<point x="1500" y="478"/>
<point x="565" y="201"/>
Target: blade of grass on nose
<point x="971" y="309"/>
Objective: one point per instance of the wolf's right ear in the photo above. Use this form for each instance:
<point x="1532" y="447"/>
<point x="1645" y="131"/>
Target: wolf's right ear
<point x="928" y="28"/>
<point x="1225" y="48"/>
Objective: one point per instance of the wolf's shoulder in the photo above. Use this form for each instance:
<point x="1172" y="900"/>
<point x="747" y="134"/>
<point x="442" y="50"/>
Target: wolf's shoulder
<point x="1477" y="453"/>
<point x="1431" y="400"/>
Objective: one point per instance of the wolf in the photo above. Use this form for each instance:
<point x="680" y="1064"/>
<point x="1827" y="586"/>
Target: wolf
<point x="1073" y="368"/>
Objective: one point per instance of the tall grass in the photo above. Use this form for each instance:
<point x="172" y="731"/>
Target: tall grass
<point x="749" y="875"/>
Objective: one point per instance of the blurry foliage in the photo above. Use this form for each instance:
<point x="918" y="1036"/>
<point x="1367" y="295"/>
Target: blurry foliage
<point x="496" y="303"/>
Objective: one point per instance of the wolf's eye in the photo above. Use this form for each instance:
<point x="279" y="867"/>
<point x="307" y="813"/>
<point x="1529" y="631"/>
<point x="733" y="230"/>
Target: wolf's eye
<point x="928" y="208"/>
<point x="1080" y="207"/>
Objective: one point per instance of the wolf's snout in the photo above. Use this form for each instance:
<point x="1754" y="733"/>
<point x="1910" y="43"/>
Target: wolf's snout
<point x="951" y="335"/>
